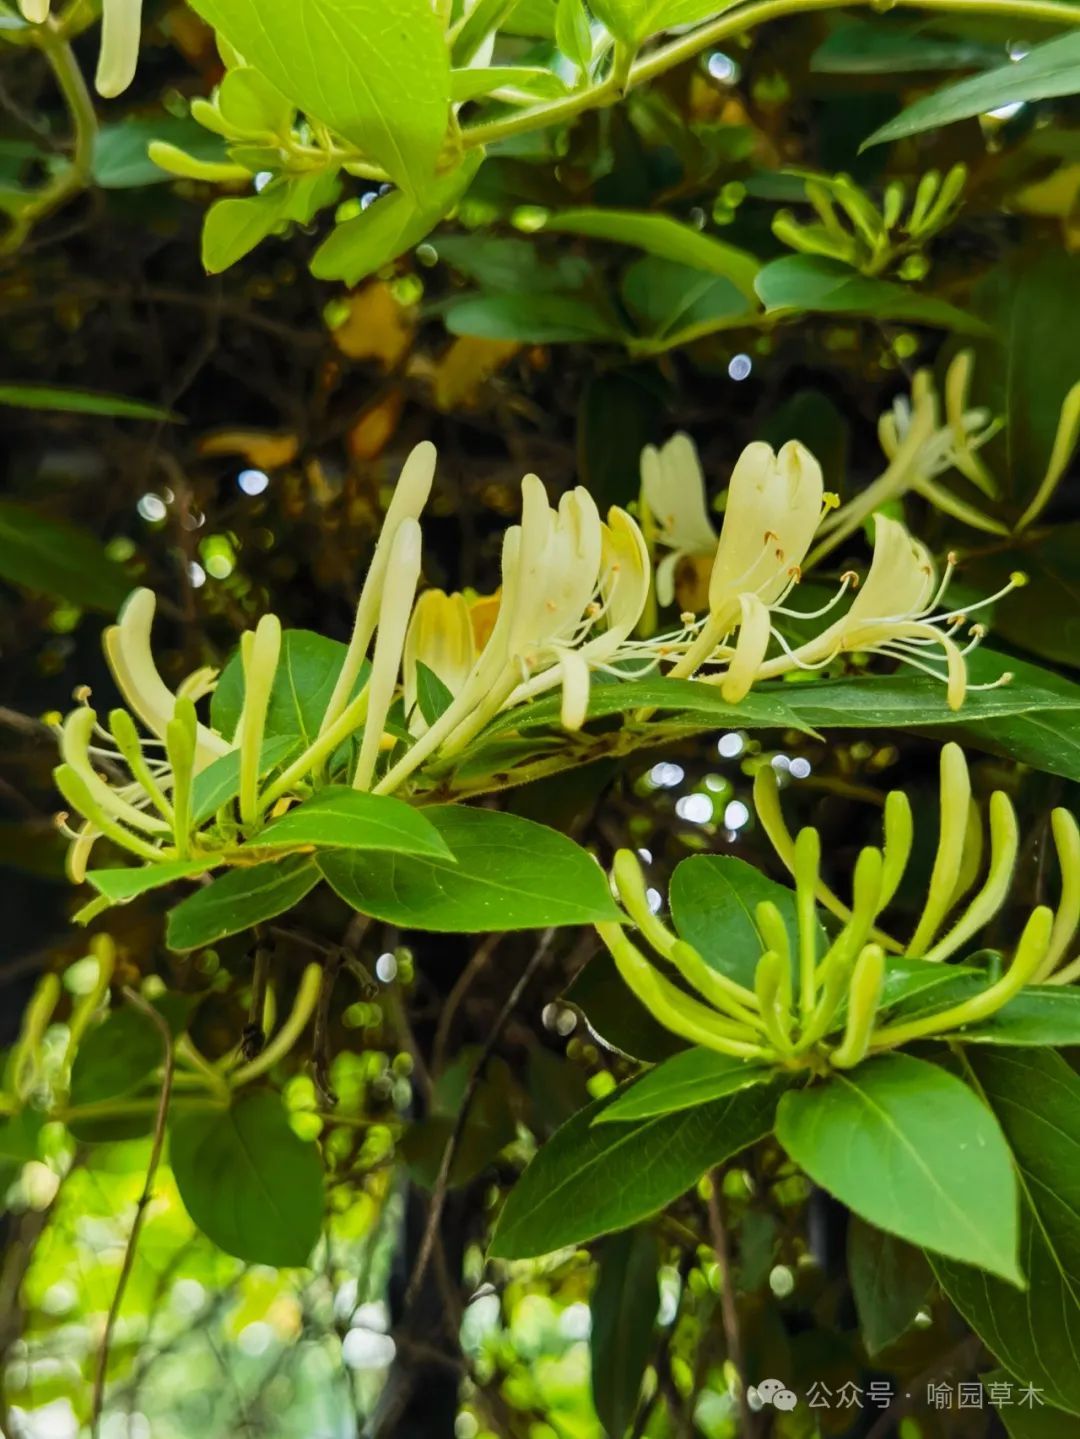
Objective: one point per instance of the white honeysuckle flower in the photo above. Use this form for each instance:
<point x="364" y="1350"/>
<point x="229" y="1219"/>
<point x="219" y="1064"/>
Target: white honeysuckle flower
<point x="775" y="504"/>
<point x="121" y="29"/>
<point x="410" y="496"/>
<point x="621" y="592"/>
<point x="774" y="508"/>
<point x="36" y="11"/>
<point x="127" y="648"/>
<point x="399" y="592"/>
<point x="673" y="494"/>
<point x="440" y="636"/>
<point x="893" y="614"/>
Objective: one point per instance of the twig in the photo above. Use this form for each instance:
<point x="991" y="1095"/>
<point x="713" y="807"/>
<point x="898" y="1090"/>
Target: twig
<point x="140" y="1209"/>
<point x="728" y="1311"/>
<point x="457" y="994"/>
<point x="442" y="1179"/>
<point x="320" y="1057"/>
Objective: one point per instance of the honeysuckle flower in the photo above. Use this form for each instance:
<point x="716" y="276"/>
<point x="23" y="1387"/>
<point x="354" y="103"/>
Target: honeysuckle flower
<point x="441" y="637"/>
<point x="810" y="1009"/>
<point x="121" y="27"/>
<point x="410" y="497"/>
<point x="920" y="447"/>
<point x="893" y="613"/>
<point x="673" y="499"/>
<point x="775" y="505"/>
<point x="131" y="659"/>
<point x="572" y="590"/>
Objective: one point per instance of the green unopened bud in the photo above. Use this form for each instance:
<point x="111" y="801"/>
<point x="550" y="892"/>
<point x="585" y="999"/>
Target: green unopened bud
<point x="833" y="979"/>
<point x="893" y="204"/>
<point x="899" y="836"/>
<point x="180" y="735"/>
<point x="860" y="209"/>
<point x="1004" y="843"/>
<point x="955" y="799"/>
<point x="864" y="995"/>
<point x="724" y="993"/>
<point x="189" y="167"/>
<point x="807" y="866"/>
<point x="25" y="1063"/>
<point x="772" y="978"/>
<point x="951" y="188"/>
<point x="1066" y="834"/>
<point x="674" y="1010"/>
<point x="259" y="652"/>
<point x="630" y="882"/>
<point x="812" y="239"/>
<point x="924" y="197"/>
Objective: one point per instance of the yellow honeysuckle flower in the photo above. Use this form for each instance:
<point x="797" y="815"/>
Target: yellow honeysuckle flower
<point x="673" y="494"/>
<point x="440" y="636"/>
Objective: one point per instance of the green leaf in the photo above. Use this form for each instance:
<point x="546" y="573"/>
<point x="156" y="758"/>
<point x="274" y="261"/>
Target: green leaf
<point x="905" y="1146"/>
<point x="896" y="701"/>
<point x="537" y="318"/>
<point x="474" y="84"/>
<point x="250" y="1184"/>
<point x="484" y="18"/>
<point x="635" y="20"/>
<point x="573" y="34"/>
<point x="814" y="284"/>
<point x="342" y="818"/>
<point x="233" y="228"/>
<point x="307" y="672"/>
<point x="432" y="697"/>
<point x="590" y="1179"/>
<point x="1042" y="734"/>
<point x="666" y="238"/>
<point x="890" y="1280"/>
<point x="239" y="899"/>
<point x="80" y="402"/>
<point x="120" y="885"/>
<point x="1041" y="1016"/>
<point x="377" y="75"/>
<point x="675" y="303"/>
<point x="54" y="558"/>
<point x="219" y="782"/>
<point x="876" y="47"/>
<point x="510" y="874"/>
<point x="508" y="264"/>
<point x="1031" y="1418"/>
<point x="623" y="1307"/>
<point x="390" y="225"/>
<point x="124" y="1050"/>
<point x="1036" y="1335"/>
<point x="1045" y="71"/>
<point x="121" y="152"/>
<point x="696" y="1076"/>
<point x="713" y="898"/>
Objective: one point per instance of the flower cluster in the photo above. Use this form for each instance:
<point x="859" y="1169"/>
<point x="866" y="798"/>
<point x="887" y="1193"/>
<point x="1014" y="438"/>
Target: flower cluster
<point x="827" y="1002"/>
<point x="167" y="787"/>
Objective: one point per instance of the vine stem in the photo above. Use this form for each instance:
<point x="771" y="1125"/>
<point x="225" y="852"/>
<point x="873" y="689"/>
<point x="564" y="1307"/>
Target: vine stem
<point x="729" y="1313"/>
<point x="442" y="1180"/>
<point x="69" y="78"/>
<point x="156" y="1147"/>
<point x="733" y="22"/>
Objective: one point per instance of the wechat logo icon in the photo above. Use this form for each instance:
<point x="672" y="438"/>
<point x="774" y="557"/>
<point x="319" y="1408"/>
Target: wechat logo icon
<point x="774" y="1392"/>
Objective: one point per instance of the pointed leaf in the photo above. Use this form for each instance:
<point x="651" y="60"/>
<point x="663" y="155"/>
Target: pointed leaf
<point x="590" y="1179"/>
<point x="905" y="1145"/>
<point x="696" y="1076"/>
<point x="509" y="874"/>
<point x="250" y="1184"/>
<point x="239" y="899"/>
<point x="342" y="818"/>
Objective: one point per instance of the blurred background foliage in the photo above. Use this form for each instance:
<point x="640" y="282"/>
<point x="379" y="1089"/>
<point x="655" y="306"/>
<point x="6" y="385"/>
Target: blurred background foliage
<point x="267" y="414"/>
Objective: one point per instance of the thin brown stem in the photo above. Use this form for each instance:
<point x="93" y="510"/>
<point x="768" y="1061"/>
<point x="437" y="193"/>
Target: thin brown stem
<point x="442" y="1180"/>
<point x="729" y="1312"/>
<point x="156" y="1147"/>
